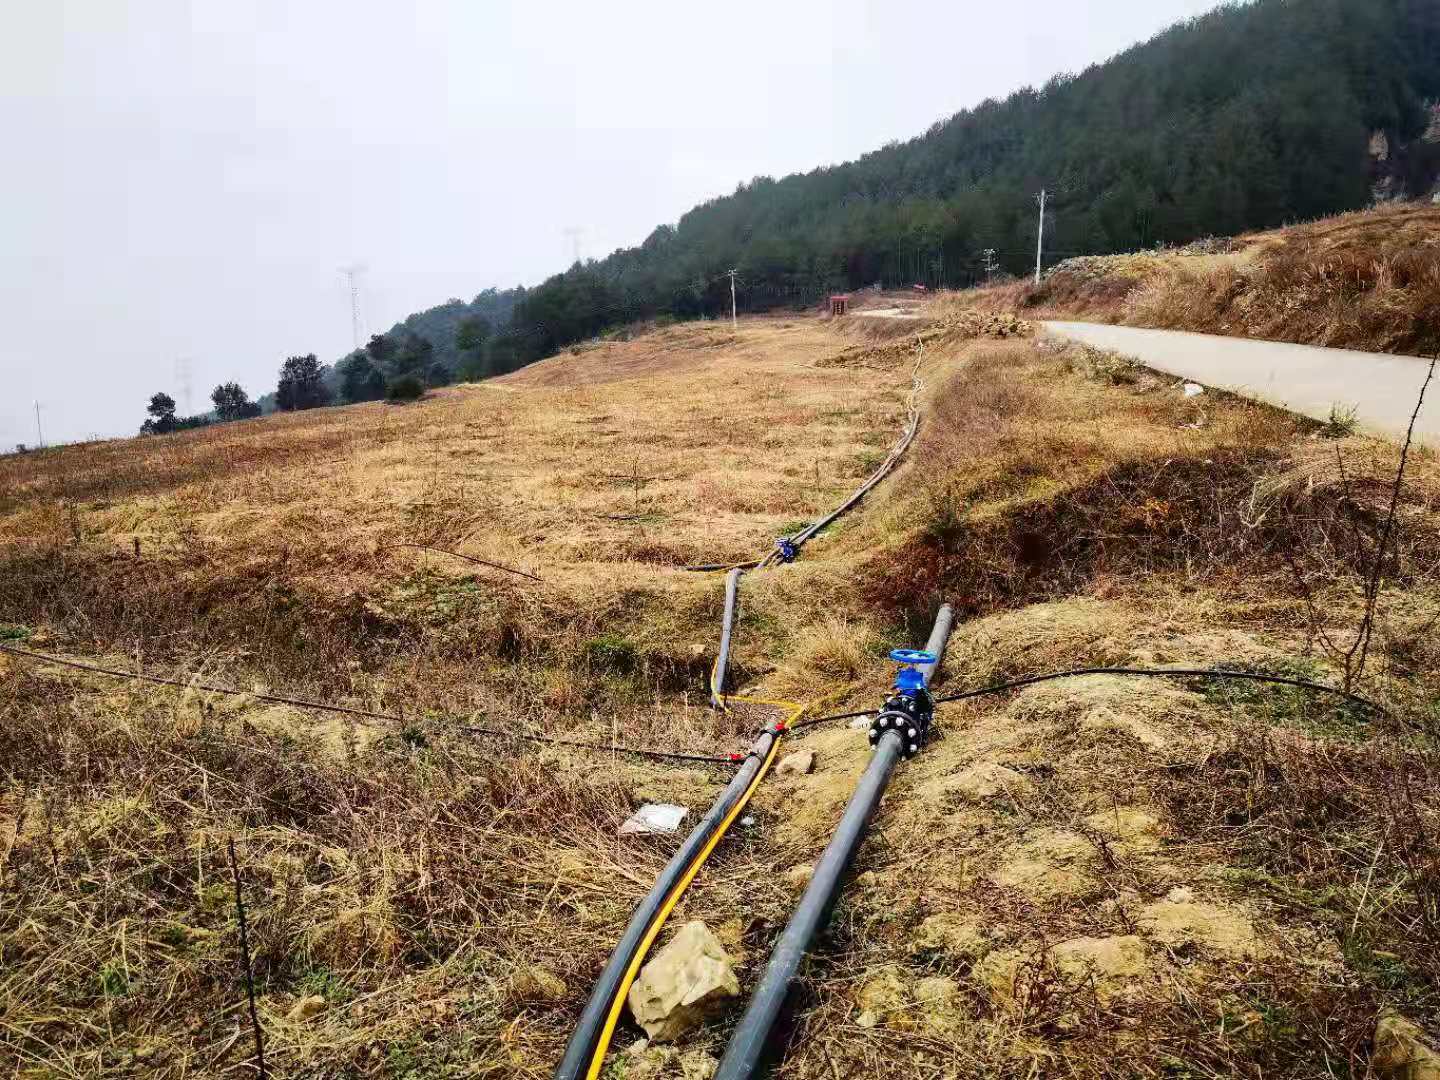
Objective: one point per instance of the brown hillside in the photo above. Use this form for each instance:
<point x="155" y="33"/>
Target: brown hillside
<point x="1092" y="877"/>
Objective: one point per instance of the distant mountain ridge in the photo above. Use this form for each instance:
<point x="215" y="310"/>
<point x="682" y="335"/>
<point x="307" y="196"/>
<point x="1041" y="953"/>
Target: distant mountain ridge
<point x="1247" y="117"/>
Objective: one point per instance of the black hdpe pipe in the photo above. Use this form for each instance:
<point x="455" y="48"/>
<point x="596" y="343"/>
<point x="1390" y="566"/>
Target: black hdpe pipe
<point x="749" y="1042"/>
<point x="727" y="628"/>
<point x="580" y="1050"/>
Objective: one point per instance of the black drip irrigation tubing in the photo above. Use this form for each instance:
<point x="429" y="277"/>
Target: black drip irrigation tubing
<point x="1184" y="673"/>
<point x="799" y="540"/>
<point x="805" y="534"/>
<point x="369" y="714"/>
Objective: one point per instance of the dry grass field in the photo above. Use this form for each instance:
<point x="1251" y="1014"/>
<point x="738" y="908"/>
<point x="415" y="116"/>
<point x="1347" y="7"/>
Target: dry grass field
<point x="1368" y="280"/>
<point x="1091" y="877"/>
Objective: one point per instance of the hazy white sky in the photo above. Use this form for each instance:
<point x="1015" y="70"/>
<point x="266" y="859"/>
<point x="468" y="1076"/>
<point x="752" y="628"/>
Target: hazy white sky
<point x="183" y="179"/>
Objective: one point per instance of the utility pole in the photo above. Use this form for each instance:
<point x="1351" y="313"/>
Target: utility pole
<point x="184" y="382"/>
<point x="39" y="436"/>
<point x="573" y="234"/>
<point x="734" y="323"/>
<point x="1040" y="237"/>
<point x="352" y="273"/>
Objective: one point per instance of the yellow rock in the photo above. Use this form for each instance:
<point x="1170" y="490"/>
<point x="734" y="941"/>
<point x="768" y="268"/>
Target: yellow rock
<point x="1127" y="828"/>
<point x="537" y="984"/>
<point x="885" y="998"/>
<point x="682" y="983"/>
<point x="1049" y="866"/>
<point x="1111" y="964"/>
<point x="1180" y="920"/>
<point x="1404" y="1050"/>
<point x="306" y="1008"/>
<point x="951" y="934"/>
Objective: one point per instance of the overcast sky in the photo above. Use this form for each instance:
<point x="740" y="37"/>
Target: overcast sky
<point x="183" y="179"/>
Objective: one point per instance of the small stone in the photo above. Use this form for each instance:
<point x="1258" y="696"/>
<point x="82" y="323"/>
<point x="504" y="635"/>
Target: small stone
<point x="938" y="1001"/>
<point x="682" y="983"/>
<point x="884" y="997"/>
<point x="952" y="935"/>
<point x="1193" y="389"/>
<point x="799" y="763"/>
<point x="988" y="779"/>
<point x="1111" y="964"/>
<point x="537" y="984"/>
<point x="799" y="875"/>
<point x="1176" y="921"/>
<point x="1403" y="1049"/>
<point x="305" y="1008"/>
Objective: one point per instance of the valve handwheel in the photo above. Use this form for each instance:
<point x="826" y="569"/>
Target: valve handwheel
<point x="912" y="656"/>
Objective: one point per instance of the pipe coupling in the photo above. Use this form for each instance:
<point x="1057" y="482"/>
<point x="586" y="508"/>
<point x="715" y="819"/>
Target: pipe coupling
<point x="910" y="714"/>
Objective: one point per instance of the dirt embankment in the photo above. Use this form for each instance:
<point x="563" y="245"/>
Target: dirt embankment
<point x="1368" y="281"/>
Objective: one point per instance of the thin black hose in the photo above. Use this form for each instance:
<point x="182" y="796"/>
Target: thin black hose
<point x="369" y="714"/>
<point x="1202" y="673"/>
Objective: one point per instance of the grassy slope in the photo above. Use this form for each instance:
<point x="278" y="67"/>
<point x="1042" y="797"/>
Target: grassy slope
<point x="1368" y="280"/>
<point x="1250" y="875"/>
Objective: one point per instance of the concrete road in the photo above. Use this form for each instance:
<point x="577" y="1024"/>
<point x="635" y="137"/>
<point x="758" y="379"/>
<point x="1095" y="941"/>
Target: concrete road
<point x="1302" y="378"/>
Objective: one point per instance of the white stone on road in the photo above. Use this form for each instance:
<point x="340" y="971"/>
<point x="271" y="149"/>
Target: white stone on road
<point x="1306" y="379"/>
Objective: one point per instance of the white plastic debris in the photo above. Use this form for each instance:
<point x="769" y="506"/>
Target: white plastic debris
<point x="654" y="818"/>
<point x="1193" y="389"/>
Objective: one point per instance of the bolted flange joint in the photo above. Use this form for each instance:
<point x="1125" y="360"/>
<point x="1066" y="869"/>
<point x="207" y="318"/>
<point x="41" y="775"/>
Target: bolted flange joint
<point x="908" y="713"/>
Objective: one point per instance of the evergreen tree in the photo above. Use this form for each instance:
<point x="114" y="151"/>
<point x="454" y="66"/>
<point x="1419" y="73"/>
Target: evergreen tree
<point x="232" y="403"/>
<point x="162" y="415"/>
<point x="301" y="385"/>
<point x="359" y="379"/>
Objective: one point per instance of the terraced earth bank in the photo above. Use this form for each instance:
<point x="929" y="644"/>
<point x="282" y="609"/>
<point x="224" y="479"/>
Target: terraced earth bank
<point x="1089" y="877"/>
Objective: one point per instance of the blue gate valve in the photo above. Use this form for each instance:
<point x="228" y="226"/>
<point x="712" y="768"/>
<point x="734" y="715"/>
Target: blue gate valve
<point x="909" y="709"/>
<point x="787" y="549"/>
<point x="911" y="677"/>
